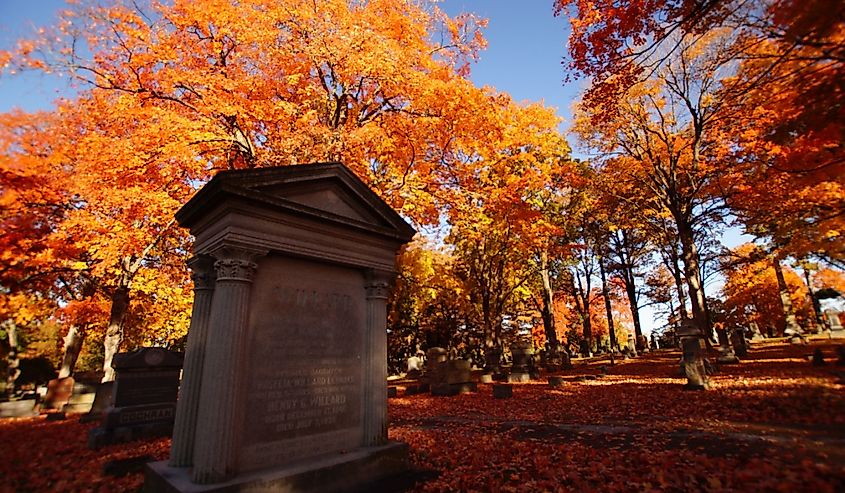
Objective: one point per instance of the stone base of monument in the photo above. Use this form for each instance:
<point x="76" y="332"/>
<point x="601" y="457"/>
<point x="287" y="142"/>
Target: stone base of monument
<point x="361" y="471"/>
<point x="126" y="424"/>
<point x="486" y="378"/>
<point x="519" y="377"/>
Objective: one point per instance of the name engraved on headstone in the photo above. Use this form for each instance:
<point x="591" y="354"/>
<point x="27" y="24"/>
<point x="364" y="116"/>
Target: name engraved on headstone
<point x="303" y="394"/>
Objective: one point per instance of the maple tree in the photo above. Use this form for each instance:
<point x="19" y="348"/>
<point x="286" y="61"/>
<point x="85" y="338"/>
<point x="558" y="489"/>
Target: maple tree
<point x="658" y="147"/>
<point x="783" y="118"/>
<point x="753" y="292"/>
<point x="170" y="92"/>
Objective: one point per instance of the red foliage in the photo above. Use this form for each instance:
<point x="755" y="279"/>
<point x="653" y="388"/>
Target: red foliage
<point x="772" y="423"/>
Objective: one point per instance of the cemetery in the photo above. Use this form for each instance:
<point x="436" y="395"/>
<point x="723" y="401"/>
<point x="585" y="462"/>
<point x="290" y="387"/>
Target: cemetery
<point x="301" y="247"/>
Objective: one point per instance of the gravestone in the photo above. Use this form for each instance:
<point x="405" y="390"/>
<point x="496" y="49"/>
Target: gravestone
<point x="632" y="346"/>
<point x="693" y="362"/>
<point x="521" y="352"/>
<point x="451" y="377"/>
<point x="103" y="399"/>
<point x="836" y="329"/>
<point x="59" y="391"/>
<point x="739" y="343"/>
<point x="285" y="381"/>
<point x="144" y="397"/>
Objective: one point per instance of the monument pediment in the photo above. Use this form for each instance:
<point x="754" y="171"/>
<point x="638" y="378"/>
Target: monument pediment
<point x="323" y="191"/>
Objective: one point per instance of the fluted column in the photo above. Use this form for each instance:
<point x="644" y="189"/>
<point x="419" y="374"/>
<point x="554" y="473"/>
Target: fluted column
<point x="215" y="458"/>
<point x="182" y="446"/>
<point x="375" y="358"/>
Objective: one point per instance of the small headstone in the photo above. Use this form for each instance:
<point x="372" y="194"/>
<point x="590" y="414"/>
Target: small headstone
<point x="59" y="391"/>
<point x="392" y="392"/>
<point x="840" y="355"/>
<point x="502" y="391"/>
<point x="452" y="377"/>
<point x="415" y="363"/>
<point x="81" y="399"/>
<point x="102" y="401"/>
<point x="555" y="382"/>
<point x="435" y="356"/>
<point x="522" y="353"/>
<point x="145" y="390"/>
<point x="739" y="343"/>
<point x="693" y="363"/>
<point x="632" y="346"/>
<point x="818" y="358"/>
<point x="835" y="323"/>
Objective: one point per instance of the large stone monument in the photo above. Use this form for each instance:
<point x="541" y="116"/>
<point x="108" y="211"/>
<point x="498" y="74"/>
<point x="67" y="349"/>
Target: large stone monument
<point x="285" y="378"/>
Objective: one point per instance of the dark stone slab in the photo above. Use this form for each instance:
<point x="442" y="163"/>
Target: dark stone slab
<point x="555" y="382"/>
<point x="392" y="392"/>
<point x="502" y="391"/>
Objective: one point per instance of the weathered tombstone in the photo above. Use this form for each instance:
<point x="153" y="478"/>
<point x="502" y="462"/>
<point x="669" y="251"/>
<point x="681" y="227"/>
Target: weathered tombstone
<point x="840" y="355"/>
<point x="818" y="358"/>
<point x="434" y="356"/>
<point x="502" y="390"/>
<point x="555" y="382"/>
<point x="285" y="381"/>
<point x="632" y="346"/>
<point x="81" y="399"/>
<point x="144" y="397"/>
<point x="452" y="377"/>
<point x="103" y="399"/>
<point x="836" y="329"/>
<point x="692" y="345"/>
<point x="521" y="351"/>
<point x="739" y="343"/>
<point x="415" y="363"/>
<point x="59" y="391"/>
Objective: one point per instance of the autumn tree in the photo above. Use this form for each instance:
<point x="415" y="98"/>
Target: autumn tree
<point x="170" y="92"/>
<point x="658" y="143"/>
<point x="784" y="87"/>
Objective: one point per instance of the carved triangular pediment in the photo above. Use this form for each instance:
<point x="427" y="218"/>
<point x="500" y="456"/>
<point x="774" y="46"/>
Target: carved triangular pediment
<point x="327" y="196"/>
<point x="322" y="191"/>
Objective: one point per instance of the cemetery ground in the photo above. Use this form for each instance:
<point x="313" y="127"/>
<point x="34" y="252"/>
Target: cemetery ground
<point x="773" y="422"/>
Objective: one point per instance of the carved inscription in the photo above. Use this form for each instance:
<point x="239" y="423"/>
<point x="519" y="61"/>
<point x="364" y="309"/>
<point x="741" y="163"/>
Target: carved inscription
<point x="303" y="397"/>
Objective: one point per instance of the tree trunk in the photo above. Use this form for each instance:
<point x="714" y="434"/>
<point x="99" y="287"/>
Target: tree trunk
<point x="114" y="333"/>
<point x="72" y="347"/>
<point x="604" y="291"/>
<point x="679" y="285"/>
<point x="792" y="326"/>
<point x="547" y="311"/>
<point x="818" y="324"/>
<point x="693" y="277"/>
<point x="13" y="362"/>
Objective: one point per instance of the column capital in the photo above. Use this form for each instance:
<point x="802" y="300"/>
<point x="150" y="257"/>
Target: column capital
<point x="377" y="283"/>
<point x="236" y="264"/>
<point x="202" y="272"/>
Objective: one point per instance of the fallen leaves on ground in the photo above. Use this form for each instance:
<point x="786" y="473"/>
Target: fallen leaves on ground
<point x="771" y="423"/>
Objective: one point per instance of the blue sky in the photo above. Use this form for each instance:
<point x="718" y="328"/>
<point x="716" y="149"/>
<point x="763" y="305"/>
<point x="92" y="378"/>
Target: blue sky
<point x="526" y="46"/>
